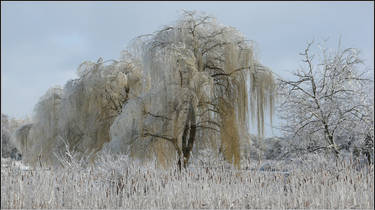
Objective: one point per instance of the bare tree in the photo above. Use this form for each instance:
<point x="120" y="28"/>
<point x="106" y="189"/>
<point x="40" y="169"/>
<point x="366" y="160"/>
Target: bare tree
<point x="329" y="98"/>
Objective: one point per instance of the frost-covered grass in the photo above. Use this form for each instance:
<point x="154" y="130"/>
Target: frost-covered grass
<point x="310" y="183"/>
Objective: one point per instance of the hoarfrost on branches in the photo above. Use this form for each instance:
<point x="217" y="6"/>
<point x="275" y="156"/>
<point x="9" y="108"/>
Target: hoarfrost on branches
<point x="330" y="99"/>
<point x="178" y="91"/>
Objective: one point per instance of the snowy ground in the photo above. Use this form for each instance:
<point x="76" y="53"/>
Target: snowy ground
<point x="309" y="183"/>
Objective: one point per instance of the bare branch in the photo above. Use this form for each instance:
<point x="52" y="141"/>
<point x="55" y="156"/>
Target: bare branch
<point x="160" y="136"/>
<point x="230" y="73"/>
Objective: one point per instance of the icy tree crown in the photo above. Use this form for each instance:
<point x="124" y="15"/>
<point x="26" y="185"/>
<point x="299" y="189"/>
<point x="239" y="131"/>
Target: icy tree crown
<point x="186" y="88"/>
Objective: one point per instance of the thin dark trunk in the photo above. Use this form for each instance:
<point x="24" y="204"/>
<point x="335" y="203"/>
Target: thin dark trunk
<point x="179" y="164"/>
<point x="188" y="136"/>
<point x="192" y="133"/>
<point x="179" y="156"/>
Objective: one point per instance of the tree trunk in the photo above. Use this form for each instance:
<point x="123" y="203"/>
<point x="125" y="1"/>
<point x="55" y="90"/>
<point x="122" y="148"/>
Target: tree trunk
<point x="188" y="136"/>
<point x="331" y="142"/>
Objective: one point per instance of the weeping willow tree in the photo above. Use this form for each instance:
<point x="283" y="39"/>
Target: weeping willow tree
<point x="193" y="85"/>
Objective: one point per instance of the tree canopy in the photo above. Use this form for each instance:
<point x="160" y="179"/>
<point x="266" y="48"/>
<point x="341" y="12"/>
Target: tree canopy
<point x="185" y="88"/>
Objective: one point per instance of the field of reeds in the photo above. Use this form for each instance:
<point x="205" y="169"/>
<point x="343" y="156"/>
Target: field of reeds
<point x="310" y="182"/>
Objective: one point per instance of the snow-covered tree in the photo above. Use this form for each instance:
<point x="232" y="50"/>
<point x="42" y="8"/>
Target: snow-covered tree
<point x="330" y="98"/>
<point x="8" y="127"/>
<point x="182" y="89"/>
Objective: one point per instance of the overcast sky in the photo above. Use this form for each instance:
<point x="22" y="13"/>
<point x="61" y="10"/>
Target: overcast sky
<point x="43" y="43"/>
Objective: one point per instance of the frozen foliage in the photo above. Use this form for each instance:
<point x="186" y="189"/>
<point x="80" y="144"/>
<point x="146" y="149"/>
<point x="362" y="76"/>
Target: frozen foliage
<point x="8" y="127"/>
<point x="6" y="145"/>
<point x="184" y="89"/>
<point x="310" y="182"/>
<point x="330" y="99"/>
<point x="198" y="71"/>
